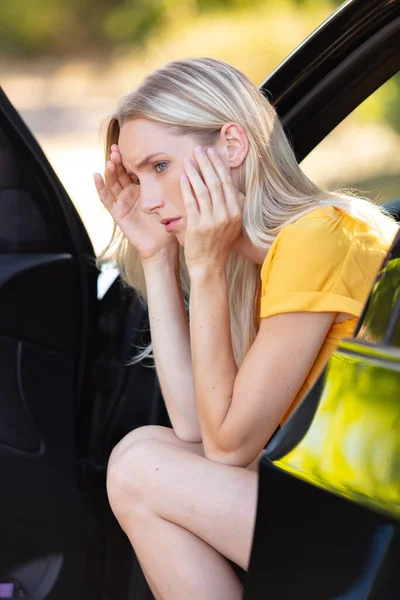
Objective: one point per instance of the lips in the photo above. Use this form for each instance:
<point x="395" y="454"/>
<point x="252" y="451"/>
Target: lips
<point x="168" y="220"/>
<point x="171" y="223"/>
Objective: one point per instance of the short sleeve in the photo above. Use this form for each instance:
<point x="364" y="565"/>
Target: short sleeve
<point x="325" y="261"/>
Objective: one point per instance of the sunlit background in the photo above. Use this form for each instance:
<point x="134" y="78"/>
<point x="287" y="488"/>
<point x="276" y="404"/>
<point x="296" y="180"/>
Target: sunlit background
<point x="65" y="65"/>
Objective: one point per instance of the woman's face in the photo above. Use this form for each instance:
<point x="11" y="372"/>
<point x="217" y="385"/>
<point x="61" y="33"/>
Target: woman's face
<point x="159" y="176"/>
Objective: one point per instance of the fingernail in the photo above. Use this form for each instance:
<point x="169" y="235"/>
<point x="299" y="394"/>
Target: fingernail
<point x="211" y="151"/>
<point x="199" y="150"/>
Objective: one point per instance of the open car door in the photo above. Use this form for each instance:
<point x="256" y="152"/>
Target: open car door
<point x="327" y="525"/>
<point x="47" y="312"/>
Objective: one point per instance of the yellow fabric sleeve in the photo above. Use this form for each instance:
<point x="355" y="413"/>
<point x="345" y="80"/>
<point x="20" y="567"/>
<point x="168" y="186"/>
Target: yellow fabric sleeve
<point x="325" y="261"/>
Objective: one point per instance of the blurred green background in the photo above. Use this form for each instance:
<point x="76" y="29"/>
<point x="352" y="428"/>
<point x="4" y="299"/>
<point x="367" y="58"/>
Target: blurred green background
<point x="40" y="27"/>
<point x="65" y="65"/>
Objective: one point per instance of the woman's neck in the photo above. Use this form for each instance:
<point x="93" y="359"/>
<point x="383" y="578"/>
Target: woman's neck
<point x="246" y="248"/>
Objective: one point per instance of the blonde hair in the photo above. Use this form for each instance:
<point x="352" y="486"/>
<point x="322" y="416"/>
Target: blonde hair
<point x="197" y="96"/>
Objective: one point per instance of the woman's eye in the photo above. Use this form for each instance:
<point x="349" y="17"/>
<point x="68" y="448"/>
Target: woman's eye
<point x="161" y="164"/>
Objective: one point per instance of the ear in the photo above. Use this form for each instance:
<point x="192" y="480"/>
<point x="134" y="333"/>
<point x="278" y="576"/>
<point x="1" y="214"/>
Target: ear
<point x="234" y="143"/>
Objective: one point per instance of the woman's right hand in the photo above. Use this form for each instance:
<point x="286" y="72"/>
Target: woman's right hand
<point x="120" y="196"/>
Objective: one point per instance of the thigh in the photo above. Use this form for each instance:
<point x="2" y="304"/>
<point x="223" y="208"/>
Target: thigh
<point x="214" y="501"/>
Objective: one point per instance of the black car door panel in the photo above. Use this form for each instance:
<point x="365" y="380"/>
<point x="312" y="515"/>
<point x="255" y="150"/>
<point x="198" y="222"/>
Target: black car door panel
<point x="17" y="428"/>
<point x="311" y="544"/>
<point x="47" y="313"/>
<point x="27" y="312"/>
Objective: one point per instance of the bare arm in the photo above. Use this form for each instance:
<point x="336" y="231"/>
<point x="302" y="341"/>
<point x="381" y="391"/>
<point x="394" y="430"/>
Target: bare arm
<point x="168" y="321"/>
<point x="239" y="410"/>
<point x="171" y="343"/>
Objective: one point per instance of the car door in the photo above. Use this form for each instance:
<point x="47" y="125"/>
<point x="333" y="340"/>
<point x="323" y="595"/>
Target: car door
<point x="329" y="492"/>
<point x="67" y="391"/>
<point x="47" y="327"/>
<point x="319" y="536"/>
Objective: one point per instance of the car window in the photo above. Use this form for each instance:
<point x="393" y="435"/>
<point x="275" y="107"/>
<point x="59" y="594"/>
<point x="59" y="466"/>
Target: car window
<point x="363" y="151"/>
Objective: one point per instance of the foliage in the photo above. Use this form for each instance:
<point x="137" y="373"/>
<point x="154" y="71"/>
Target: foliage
<point x="133" y="20"/>
<point x="68" y="28"/>
<point x="63" y="28"/>
<point x="383" y="105"/>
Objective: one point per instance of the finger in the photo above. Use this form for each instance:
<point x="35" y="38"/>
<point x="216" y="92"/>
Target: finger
<point x="192" y="209"/>
<point x="110" y="178"/>
<point x="212" y="181"/>
<point x="122" y="176"/>
<point x="114" y="148"/>
<point x="199" y="187"/>
<point x="103" y="192"/>
<point x="230" y="192"/>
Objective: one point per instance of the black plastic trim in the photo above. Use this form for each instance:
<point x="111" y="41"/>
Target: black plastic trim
<point x="323" y="50"/>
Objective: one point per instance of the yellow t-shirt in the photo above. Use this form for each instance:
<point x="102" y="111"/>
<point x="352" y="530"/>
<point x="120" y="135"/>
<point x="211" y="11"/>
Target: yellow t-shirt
<point x="324" y="261"/>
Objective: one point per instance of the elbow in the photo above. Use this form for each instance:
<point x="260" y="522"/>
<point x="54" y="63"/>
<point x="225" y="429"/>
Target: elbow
<point x="188" y="434"/>
<point x="239" y="456"/>
<point x="229" y="459"/>
<point x="233" y="459"/>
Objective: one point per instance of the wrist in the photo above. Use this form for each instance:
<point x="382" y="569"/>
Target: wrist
<point x="165" y="256"/>
<point x="207" y="273"/>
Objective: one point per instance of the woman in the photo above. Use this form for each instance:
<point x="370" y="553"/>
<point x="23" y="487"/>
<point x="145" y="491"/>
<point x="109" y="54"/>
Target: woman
<point x="278" y="270"/>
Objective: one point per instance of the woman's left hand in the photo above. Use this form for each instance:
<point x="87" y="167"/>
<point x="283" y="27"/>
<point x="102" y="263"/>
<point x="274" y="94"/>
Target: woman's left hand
<point x="214" y="211"/>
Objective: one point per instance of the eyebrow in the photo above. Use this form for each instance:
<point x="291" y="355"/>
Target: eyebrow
<point x="146" y="160"/>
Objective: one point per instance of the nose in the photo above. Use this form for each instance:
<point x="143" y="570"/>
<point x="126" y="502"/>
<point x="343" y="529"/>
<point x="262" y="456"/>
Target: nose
<point x="150" y="199"/>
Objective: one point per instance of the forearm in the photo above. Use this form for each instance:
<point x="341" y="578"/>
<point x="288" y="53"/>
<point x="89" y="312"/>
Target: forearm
<point x="214" y="365"/>
<point x="171" y="344"/>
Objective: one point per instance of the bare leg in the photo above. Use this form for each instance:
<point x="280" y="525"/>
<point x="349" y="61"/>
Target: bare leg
<point x="166" y="547"/>
<point x="183" y="514"/>
<point x="150" y="582"/>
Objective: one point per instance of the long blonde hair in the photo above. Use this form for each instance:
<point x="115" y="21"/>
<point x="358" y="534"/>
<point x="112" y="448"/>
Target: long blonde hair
<point x="197" y="96"/>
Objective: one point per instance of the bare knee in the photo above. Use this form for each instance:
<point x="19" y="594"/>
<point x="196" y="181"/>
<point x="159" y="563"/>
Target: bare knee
<point x="120" y="463"/>
<point x="150" y="432"/>
<point x="153" y="432"/>
<point x="147" y="432"/>
<point x="130" y="465"/>
<point x="125" y="474"/>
